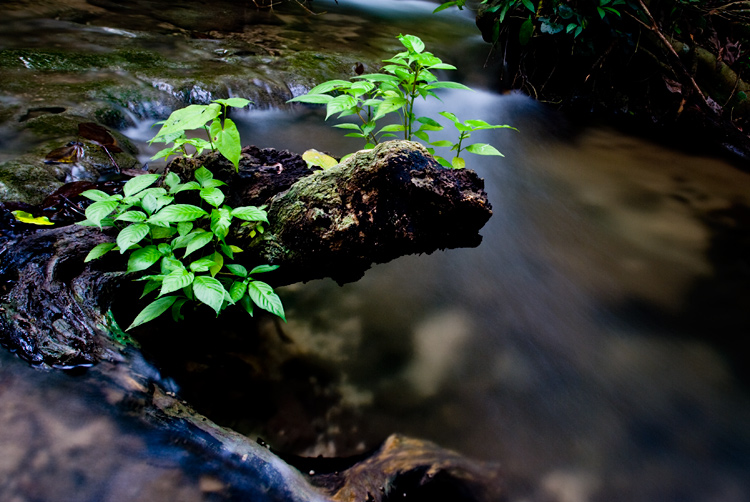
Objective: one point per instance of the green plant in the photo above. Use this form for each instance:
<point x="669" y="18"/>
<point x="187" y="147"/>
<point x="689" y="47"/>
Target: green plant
<point x="184" y="243"/>
<point x="465" y="129"/>
<point x="447" y="5"/>
<point x="221" y="131"/>
<point x="394" y="90"/>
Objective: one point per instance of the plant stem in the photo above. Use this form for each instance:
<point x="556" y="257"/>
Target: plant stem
<point x="210" y="140"/>
<point x="460" y="140"/>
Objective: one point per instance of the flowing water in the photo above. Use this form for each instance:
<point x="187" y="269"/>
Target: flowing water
<point x="591" y="344"/>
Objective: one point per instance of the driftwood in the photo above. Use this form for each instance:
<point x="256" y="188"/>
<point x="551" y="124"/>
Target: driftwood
<point x="376" y="206"/>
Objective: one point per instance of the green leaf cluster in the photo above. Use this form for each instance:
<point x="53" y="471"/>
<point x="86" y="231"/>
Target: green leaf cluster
<point x="181" y="248"/>
<point x="406" y="76"/>
<point x="221" y="131"/>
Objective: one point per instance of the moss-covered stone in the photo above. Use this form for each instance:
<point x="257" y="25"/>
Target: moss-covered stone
<point x="28" y="179"/>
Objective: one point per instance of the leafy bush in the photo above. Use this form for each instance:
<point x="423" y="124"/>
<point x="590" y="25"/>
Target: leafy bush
<point x="183" y="245"/>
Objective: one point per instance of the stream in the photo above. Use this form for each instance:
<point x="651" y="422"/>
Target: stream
<point x="591" y="345"/>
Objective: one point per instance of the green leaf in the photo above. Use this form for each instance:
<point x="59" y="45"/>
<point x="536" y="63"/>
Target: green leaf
<point x="447" y="85"/>
<point x="169" y="264"/>
<point x="414" y="44"/>
<point x="450" y="116"/>
<point x="150" y="204"/>
<point x="347" y="125"/>
<point x="190" y="185"/>
<point x="184" y="227"/>
<point x="130" y="235"/>
<point x="186" y="119"/>
<point x="171" y="180"/>
<point x="135" y="185"/>
<point x="340" y="104"/>
<point x="96" y="195"/>
<point x="29" y="218"/>
<point x="390" y="105"/>
<point x="152" y="284"/>
<point x="261" y="269"/>
<point x="177" y="307"/>
<point x="312" y="99"/>
<point x="392" y="128"/>
<point x="458" y="163"/>
<point x="213" y="183"/>
<point x="483" y="149"/>
<point x="444" y="6"/>
<point x="237" y="291"/>
<point x="99" y="210"/>
<point x="143" y="258"/>
<point x="197" y="242"/>
<point x="165" y="153"/>
<point x="246" y="303"/>
<point x="209" y="291"/>
<point x="132" y="216"/>
<point x="361" y="87"/>
<point x="329" y="86"/>
<point x="422" y="135"/>
<point x="236" y="269"/>
<point x="218" y="259"/>
<point x="443" y="162"/>
<point x="99" y="250"/>
<point x="177" y="213"/>
<point x="227" y="250"/>
<point x="320" y="159"/>
<point x="152" y="311"/>
<point x="529" y="5"/>
<point x="526" y="31"/>
<point x="441" y="66"/>
<point x="264" y="297"/>
<point x="202" y="265"/>
<point x="213" y="196"/>
<point x="176" y="280"/>
<point x="442" y="143"/>
<point x="221" y="219"/>
<point x="250" y="213"/>
<point x="162" y="232"/>
<point x="227" y="141"/>
<point x="234" y="102"/>
<point x="379" y="77"/>
<point x="202" y="175"/>
<point x="429" y="124"/>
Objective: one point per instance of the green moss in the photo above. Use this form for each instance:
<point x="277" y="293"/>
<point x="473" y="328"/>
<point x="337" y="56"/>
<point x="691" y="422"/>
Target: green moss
<point x="67" y="61"/>
<point x="27" y="179"/>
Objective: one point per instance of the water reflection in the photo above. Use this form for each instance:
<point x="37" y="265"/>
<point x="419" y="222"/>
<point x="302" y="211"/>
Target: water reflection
<point x="560" y="343"/>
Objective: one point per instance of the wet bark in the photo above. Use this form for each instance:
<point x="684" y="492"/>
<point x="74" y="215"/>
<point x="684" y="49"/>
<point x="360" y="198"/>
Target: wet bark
<point x="376" y="206"/>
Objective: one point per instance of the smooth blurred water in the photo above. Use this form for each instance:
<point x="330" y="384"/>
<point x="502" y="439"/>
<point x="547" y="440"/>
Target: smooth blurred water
<point x="575" y="345"/>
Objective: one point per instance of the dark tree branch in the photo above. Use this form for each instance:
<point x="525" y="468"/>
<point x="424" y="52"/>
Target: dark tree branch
<point x="376" y="206"/>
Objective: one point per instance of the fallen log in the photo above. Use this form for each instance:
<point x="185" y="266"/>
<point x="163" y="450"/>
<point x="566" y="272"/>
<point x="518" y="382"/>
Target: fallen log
<point x="376" y="206"/>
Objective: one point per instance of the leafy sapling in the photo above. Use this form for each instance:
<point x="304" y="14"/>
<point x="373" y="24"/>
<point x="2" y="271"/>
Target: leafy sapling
<point x="394" y="90"/>
<point x="407" y="76"/>
<point x="221" y="131"/>
<point x="465" y="129"/>
<point x="183" y="246"/>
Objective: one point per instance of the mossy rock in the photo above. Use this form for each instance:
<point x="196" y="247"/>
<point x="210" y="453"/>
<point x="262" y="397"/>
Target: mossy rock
<point x="28" y="179"/>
